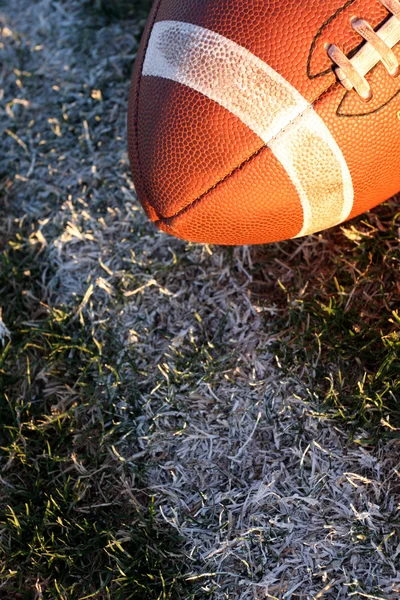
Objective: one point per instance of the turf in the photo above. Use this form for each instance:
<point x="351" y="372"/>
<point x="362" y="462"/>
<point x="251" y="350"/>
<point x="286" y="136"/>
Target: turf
<point x="75" y="522"/>
<point x="177" y="421"/>
<point x="343" y="313"/>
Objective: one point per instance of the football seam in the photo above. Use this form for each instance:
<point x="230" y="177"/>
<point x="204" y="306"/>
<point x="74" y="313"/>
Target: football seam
<point x="330" y="20"/>
<point x="167" y="220"/>
<point x="365" y="114"/>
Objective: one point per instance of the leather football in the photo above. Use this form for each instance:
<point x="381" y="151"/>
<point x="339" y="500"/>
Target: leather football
<point x="253" y="121"/>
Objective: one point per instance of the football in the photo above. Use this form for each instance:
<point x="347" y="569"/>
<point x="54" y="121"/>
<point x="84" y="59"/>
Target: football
<point x="253" y="121"/>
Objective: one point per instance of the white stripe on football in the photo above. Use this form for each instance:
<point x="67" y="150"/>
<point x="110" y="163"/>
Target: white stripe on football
<point x="264" y="101"/>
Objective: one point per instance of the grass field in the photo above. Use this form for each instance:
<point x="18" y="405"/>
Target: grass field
<point x="177" y="421"/>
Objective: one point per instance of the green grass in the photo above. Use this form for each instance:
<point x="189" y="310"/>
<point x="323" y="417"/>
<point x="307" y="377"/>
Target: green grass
<point x="64" y="509"/>
<point x="341" y="321"/>
<point x="64" y="514"/>
<point x="77" y="519"/>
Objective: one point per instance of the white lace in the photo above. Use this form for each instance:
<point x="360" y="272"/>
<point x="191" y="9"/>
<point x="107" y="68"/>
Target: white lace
<point x="378" y="48"/>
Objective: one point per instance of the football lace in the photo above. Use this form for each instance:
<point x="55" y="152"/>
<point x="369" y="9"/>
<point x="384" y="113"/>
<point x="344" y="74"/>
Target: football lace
<point x="379" y="46"/>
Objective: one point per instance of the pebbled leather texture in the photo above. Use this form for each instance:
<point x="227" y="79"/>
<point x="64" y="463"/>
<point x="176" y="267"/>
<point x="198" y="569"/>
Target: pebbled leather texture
<point x="204" y="175"/>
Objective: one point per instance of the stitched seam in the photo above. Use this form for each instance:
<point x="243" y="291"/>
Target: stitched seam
<point x="136" y="120"/>
<point x="340" y="10"/>
<point x="167" y="220"/>
<point x="366" y="114"/>
<point x="213" y="187"/>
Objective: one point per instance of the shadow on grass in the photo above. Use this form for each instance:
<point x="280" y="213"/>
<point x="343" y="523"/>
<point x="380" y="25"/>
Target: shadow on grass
<point x="339" y="301"/>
